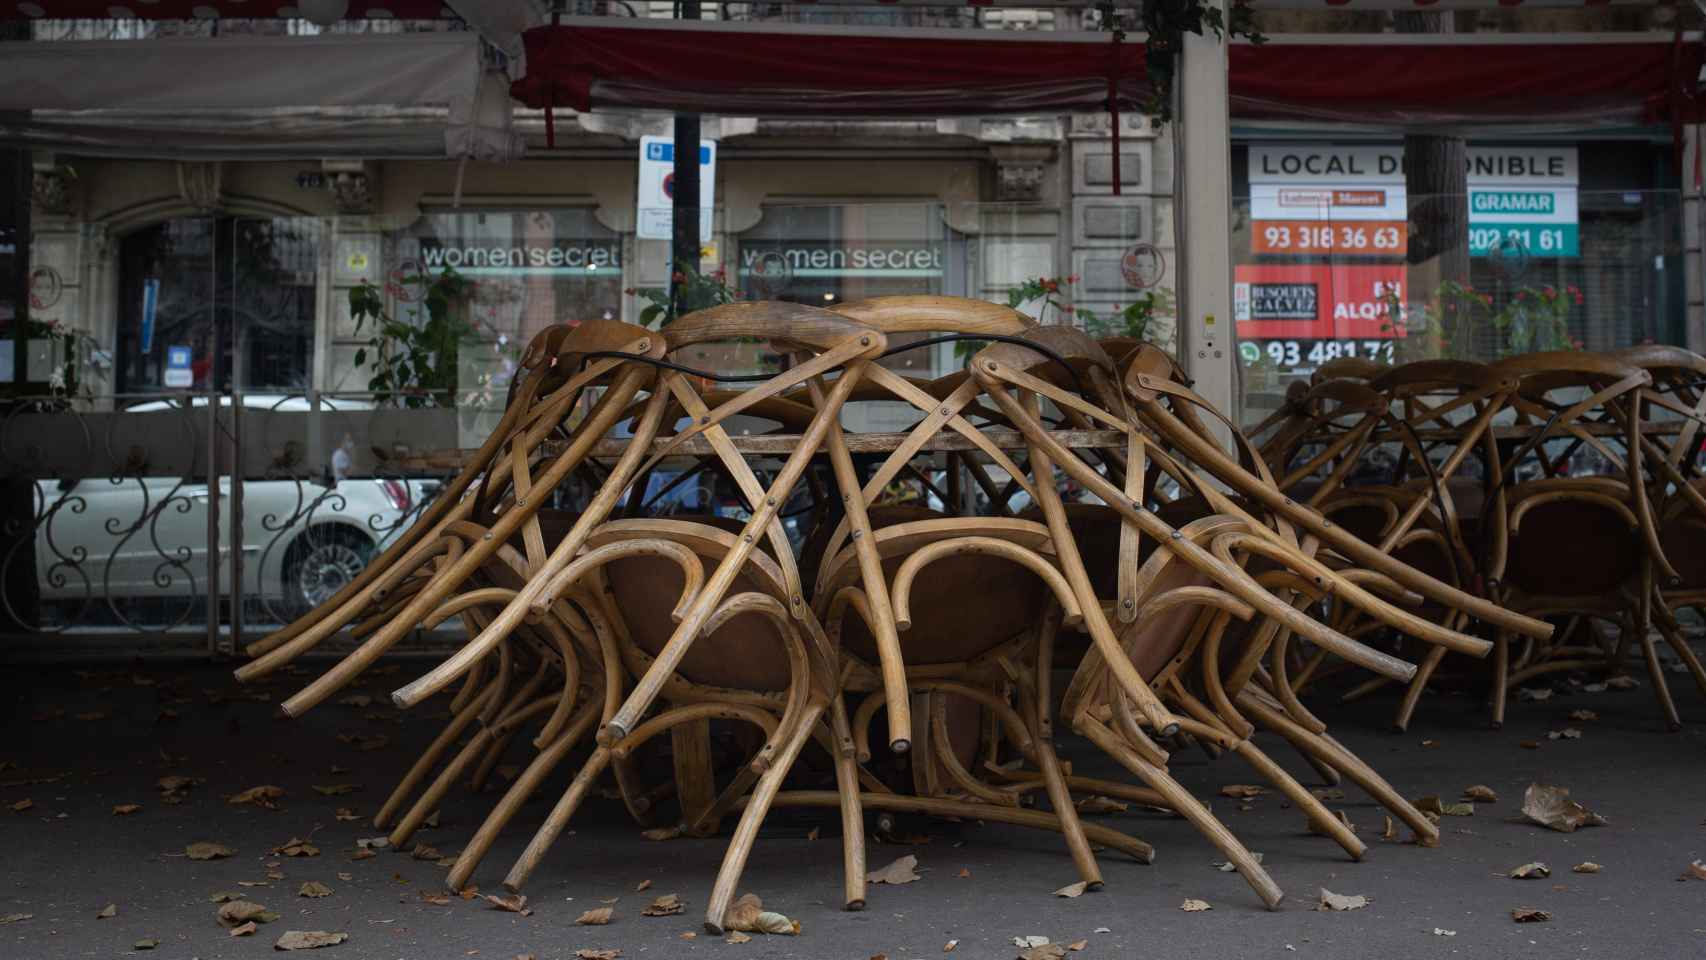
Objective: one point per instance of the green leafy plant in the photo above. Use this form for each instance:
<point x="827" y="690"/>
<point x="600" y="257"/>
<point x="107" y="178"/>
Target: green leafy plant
<point x="413" y="358"/>
<point x="1537" y="319"/>
<point x="1164" y="24"/>
<point x="698" y="291"/>
<point x="1450" y="324"/>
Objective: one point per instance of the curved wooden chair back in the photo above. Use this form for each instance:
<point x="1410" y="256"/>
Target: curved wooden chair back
<point x="515" y="467"/>
<point x="1166" y="406"/>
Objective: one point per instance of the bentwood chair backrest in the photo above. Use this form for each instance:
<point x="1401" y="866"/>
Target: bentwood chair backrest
<point x="509" y="478"/>
<point x="1162" y="402"/>
<point x="1566" y="401"/>
<point x="824" y="343"/>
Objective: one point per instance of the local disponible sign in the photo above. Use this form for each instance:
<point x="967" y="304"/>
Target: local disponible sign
<point x="1328" y="199"/>
<point x="1524" y="197"/>
<point x="655" y="203"/>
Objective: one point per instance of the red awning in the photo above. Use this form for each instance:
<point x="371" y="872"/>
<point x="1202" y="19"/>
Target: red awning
<point x="744" y="70"/>
<point x="747" y="70"/>
<point x="1586" y="83"/>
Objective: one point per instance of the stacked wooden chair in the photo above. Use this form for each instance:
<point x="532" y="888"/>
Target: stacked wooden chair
<point x="1193" y="574"/>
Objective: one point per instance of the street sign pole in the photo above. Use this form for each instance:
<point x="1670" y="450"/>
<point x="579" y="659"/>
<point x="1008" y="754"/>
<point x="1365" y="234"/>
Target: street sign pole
<point x="684" y="242"/>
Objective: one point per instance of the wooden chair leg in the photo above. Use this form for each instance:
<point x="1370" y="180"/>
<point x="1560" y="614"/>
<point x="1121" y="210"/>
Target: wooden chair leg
<point x="1060" y="798"/>
<point x="852" y="812"/>
<point x="1501" y="677"/>
<point x="695" y="781"/>
<point x="746" y="832"/>
<point x="1418" y="685"/>
<point x="1668" y="628"/>
<point x="1332" y="753"/>
<point x="428" y="760"/>
<point x="1312" y="808"/>
<point x="429" y="800"/>
<point x="513" y="798"/>
<point x="1181" y="800"/>
<point x="1661" y="689"/>
<point x="557" y="820"/>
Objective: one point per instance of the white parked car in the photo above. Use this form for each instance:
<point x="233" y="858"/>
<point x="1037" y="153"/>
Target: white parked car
<point x="148" y="536"/>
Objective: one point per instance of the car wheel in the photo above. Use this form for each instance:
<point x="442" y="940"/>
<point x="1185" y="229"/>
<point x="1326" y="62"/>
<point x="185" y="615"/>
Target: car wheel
<point x="320" y="563"/>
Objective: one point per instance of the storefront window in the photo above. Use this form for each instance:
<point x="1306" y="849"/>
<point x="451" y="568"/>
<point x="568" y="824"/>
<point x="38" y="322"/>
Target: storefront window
<point x="824" y="255"/>
<point x="182" y="324"/>
<point x="1569" y="246"/>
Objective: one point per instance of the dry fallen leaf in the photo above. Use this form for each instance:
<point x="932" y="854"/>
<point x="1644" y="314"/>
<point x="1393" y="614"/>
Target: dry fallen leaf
<point x="1552" y="807"/>
<point x="1696" y="870"/>
<point x="206" y="850"/>
<point x="1531" y="871"/>
<point x="314" y="890"/>
<point x="900" y="871"/>
<point x="1072" y="890"/>
<point x="1433" y="804"/>
<point x="1480" y="792"/>
<point x="1623" y="682"/>
<point x="513" y="903"/>
<point x="126" y="809"/>
<point x="1091" y="806"/>
<point x="424" y="852"/>
<point x="225" y="896"/>
<point x="1586" y="866"/>
<point x="588" y="953"/>
<point x="1568" y="733"/>
<point x="436" y="899"/>
<point x="812" y="834"/>
<point x="1030" y="941"/>
<point x="1391" y="831"/>
<point x="1242" y="790"/>
<point x="1327" y="793"/>
<point x="261" y="796"/>
<point x="1340" y="901"/>
<point x="15" y="917"/>
<point x="747" y="914"/>
<point x="23" y="805"/>
<point x="737" y="937"/>
<point x="1195" y="906"/>
<point x="345" y="814"/>
<point x="642" y="886"/>
<point x="964" y="874"/>
<point x="596" y="917"/>
<point x="296" y="847"/>
<point x="1534" y="694"/>
<point x="1048" y="951"/>
<point x="242" y="911"/>
<point x="662" y="833"/>
<point x="1530" y="915"/>
<point x="244" y="929"/>
<point x="146" y="943"/>
<point x="308" y="940"/>
<point x="1077" y="945"/>
<point x="107" y="912"/>
<point x="949" y="946"/>
<point x="1227" y="866"/>
<point x="667" y="905"/>
<point x="335" y="789"/>
<point x="1583" y="715"/>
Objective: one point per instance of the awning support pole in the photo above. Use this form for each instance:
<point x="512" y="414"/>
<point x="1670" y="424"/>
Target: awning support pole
<point x="1203" y="217"/>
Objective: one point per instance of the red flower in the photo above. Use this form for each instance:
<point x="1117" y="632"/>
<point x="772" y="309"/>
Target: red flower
<point x="1487" y="298"/>
<point x="678" y="277"/>
<point x="1050" y="285"/>
<point x="629" y="291"/>
<point x="1072" y="278"/>
<point x="1550" y="291"/>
